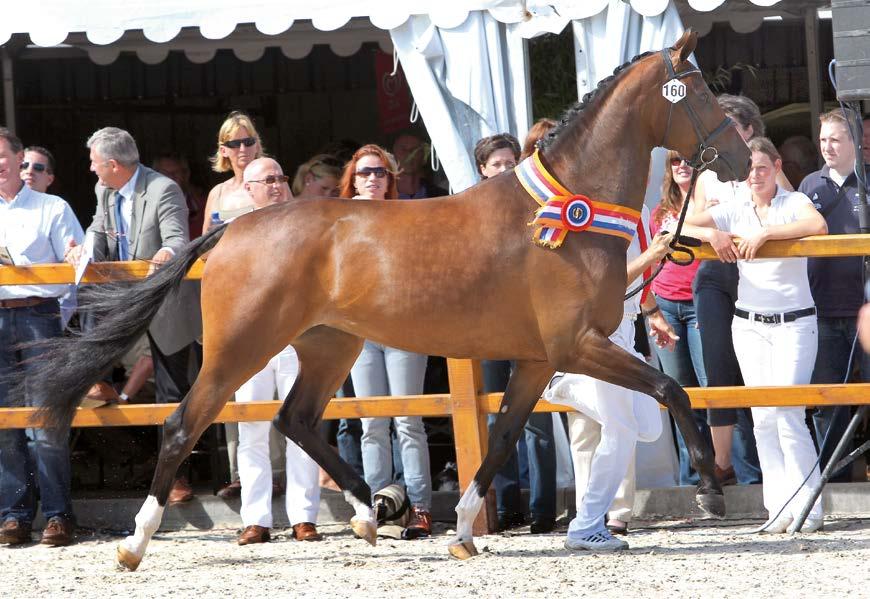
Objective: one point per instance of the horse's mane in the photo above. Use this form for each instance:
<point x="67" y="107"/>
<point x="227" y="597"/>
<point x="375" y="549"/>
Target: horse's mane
<point x="575" y="110"/>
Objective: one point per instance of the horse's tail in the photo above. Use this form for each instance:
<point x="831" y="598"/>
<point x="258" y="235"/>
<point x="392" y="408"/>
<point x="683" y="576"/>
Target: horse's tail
<point x="68" y="366"/>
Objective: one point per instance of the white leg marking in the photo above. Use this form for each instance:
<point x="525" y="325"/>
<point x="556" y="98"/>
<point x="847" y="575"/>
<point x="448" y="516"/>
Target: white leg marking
<point x="147" y="521"/>
<point x="362" y="511"/>
<point x="466" y="511"/>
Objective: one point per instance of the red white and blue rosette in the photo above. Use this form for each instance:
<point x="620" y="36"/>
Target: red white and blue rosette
<point x="577" y="213"/>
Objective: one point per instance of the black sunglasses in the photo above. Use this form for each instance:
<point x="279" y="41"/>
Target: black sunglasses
<point x="272" y="179"/>
<point x="238" y="143"/>
<point x="678" y="160"/>
<point x="378" y="171"/>
<point x="37" y="166"/>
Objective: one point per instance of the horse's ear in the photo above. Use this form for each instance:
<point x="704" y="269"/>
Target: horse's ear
<point x="686" y="44"/>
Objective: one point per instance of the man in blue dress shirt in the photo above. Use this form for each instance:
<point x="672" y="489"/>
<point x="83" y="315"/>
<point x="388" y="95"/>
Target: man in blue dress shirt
<point x="35" y="228"/>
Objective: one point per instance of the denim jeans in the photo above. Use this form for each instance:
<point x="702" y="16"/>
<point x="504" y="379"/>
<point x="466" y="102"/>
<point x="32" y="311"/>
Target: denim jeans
<point x="381" y="370"/>
<point x="836" y="336"/>
<point x="686" y="366"/>
<point x="19" y="476"/>
<point x="540" y="449"/>
<point x="349" y="433"/>
<point x="714" y="308"/>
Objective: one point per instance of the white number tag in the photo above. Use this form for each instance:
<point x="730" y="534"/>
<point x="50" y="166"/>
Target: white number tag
<point x="674" y="90"/>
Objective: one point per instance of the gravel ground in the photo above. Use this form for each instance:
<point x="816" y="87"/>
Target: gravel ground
<point x="674" y="559"/>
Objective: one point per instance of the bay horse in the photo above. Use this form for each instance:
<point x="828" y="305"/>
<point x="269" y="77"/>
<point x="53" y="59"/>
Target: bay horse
<point x="456" y="276"/>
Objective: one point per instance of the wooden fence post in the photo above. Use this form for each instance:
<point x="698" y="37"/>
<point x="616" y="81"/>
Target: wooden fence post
<point x="470" y="433"/>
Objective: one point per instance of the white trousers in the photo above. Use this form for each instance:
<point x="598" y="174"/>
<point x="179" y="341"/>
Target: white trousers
<point x="585" y="438"/>
<point x="302" y="498"/>
<point x="623" y="417"/>
<point x="782" y="354"/>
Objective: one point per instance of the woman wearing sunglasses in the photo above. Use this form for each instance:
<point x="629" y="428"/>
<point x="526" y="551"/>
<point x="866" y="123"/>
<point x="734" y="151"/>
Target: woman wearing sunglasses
<point x="238" y="145"/>
<point x="380" y="370"/>
<point x="673" y="291"/>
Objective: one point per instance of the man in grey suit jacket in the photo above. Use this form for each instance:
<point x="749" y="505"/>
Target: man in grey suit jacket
<point x="142" y="215"/>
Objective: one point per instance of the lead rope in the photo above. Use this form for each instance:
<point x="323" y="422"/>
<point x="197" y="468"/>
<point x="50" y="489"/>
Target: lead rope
<point x="676" y="241"/>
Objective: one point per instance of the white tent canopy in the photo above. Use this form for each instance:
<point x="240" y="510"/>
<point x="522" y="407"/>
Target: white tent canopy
<point x="459" y="99"/>
<point x="50" y="22"/>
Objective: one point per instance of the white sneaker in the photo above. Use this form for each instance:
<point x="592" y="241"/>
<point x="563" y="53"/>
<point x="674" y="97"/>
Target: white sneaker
<point x="597" y="541"/>
<point x="778" y="526"/>
<point x="810" y="525"/>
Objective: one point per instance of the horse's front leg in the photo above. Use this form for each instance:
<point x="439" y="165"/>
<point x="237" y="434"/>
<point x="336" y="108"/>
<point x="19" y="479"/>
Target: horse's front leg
<point x="526" y="384"/>
<point x="598" y="357"/>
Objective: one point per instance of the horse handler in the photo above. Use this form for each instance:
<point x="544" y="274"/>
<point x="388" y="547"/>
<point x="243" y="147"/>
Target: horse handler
<point x="618" y="416"/>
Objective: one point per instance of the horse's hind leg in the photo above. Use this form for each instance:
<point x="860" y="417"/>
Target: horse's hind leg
<point x="600" y="358"/>
<point x="182" y="430"/>
<point x="526" y="384"/>
<point x="325" y="357"/>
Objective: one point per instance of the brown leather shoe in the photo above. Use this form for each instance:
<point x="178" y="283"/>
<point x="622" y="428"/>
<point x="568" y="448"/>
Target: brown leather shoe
<point x="58" y="532"/>
<point x="254" y="534"/>
<point x="306" y="531"/>
<point x="14" y="532"/>
<point x="420" y="524"/>
<point x="181" y="491"/>
<point x="231" y="490"/>
<point x="100" y="394"/>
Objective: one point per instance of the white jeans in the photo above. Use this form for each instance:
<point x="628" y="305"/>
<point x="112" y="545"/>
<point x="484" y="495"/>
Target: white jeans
<point x="380" y="371"/>
<point x="585" y="438"/>
<point x="623" y="417"/>
<point x="302" y="498"/>
<point x="783" y="354"/>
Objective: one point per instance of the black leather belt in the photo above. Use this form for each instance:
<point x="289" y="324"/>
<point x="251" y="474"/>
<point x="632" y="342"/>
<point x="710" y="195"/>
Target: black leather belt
<point x="25" y="302"/>
<point x="774" y="318"/>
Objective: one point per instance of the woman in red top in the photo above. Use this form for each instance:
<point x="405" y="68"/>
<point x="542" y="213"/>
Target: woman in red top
<point x="673" y="290"/>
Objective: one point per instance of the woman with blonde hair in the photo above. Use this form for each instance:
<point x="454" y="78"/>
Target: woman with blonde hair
<point x="317" y="178"/>
<point x="238" y="144"/>
<point x="379" y="370"/>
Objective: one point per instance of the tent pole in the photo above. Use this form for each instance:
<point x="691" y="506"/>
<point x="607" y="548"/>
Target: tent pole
<point x="8" y="90"/>
<point x="811" y="34"/>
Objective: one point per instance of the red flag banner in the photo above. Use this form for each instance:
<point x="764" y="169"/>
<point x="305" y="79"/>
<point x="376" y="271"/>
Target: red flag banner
<point x="394" y="98"/>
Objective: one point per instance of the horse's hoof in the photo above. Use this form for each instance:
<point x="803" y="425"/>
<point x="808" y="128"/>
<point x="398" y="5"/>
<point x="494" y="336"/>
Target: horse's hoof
<point x="462" y="551"/>
<point x="712" y="504"/>
<point x="127" y="560"/>
<point x="365" y="529"/>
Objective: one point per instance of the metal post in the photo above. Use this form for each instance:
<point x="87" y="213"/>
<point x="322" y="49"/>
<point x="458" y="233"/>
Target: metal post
<point x="832" y="465"/>
<point x="8" y="90"/>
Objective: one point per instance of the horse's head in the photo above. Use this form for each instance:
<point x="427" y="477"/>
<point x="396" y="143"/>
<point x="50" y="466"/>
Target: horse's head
<point x="691" y="120"/>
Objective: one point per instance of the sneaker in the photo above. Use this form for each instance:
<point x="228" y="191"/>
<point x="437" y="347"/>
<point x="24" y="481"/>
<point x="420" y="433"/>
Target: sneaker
<point x="810" y="525"/>
<point x="597" y="541"/>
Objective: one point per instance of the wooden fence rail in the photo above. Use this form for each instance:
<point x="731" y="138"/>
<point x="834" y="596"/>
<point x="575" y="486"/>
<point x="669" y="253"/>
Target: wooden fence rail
<point x="465" y="404"/>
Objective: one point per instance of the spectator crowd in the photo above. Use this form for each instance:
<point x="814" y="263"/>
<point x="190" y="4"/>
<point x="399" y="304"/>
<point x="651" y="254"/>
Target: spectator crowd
<point x="739" y="320"/>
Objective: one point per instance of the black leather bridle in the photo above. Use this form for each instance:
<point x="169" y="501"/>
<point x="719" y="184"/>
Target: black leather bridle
<point x="704" y="156"/>
<point x="700" y="159"/>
